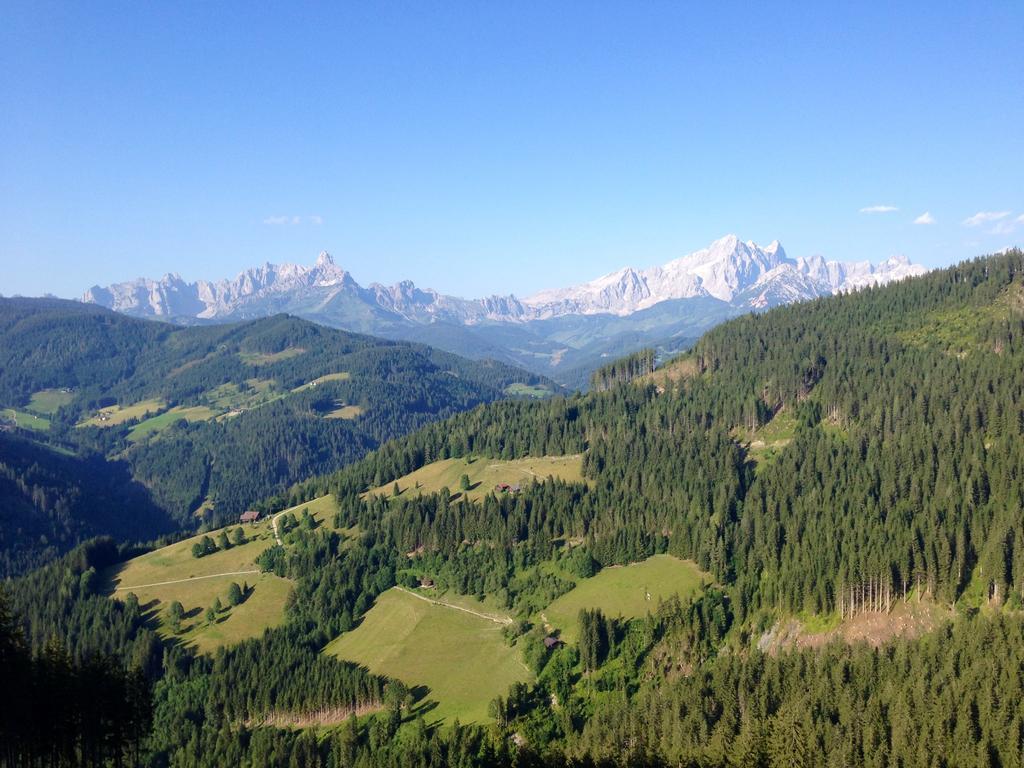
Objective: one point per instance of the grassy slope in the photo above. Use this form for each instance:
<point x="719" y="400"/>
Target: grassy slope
<point x="47" y="401"/>
<point x="526" y="390"/>
<point x="156" y="424"/>
<point x="266" y="358"/>
<point x="623" y="590"/>
<point x="344" y="412"/>
<point x="343" y="376"/>
<point x="117" y="415"/>
<point x="25" y="420"/>
<point x="484" y="474"/>
<point x="262" y="609"/>
<point x="463" y="659"/>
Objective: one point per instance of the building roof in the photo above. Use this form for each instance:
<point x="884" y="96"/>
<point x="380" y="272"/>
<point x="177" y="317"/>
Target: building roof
<point x="250" y="515"/>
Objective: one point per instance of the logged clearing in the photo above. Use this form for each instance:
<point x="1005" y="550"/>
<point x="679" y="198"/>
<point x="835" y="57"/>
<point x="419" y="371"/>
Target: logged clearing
<point x="342" y="376"/>
<point x="344" y="412"/>
<point x="268" y="358"/>
<point x="909" y="619"/>
<point x="463" y="659"/>
<point x="115" y="414"/>
<point x="484" y="475"/>
<point x="630" y="591"/>
<point x="25" y="420"/>
<point x="764" y="444"/>
<point x="672" y="373"/>
<point x="47" y="401"/>
<point x="159" y="423"/>
<point x="171" y="574"/>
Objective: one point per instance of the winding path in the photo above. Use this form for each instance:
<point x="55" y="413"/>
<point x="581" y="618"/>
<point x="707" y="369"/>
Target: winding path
<point x="180" y="581"/>
<point x="503" y="620"/>
<point x="273" y="523"/>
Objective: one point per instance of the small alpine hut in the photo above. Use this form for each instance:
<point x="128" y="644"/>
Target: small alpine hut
<point x="249" y="516"/>
<point x="551" y="642"/>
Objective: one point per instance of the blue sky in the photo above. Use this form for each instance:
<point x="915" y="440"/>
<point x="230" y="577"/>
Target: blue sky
<point x="490" y="148"/>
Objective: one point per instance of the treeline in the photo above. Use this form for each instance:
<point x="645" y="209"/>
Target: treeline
<point x="623" y="370"/>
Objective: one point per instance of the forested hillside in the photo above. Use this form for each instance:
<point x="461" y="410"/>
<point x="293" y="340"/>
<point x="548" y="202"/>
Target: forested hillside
<point x="206" y="421"/>
<point x="50" y="501"/>
<point x="823" y="463"/>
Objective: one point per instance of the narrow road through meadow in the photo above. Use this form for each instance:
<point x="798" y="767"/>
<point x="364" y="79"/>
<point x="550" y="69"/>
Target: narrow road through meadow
<point x="180" y="581"/>
<point x="495" y="619"/>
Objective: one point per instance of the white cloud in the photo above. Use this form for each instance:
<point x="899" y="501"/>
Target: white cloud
<point x="879" y="209"/>
<point x="925" y="218"/>
<point x="293" y="220"/>
<point x="984" y="217"/>
<point x="1007" y="227"/>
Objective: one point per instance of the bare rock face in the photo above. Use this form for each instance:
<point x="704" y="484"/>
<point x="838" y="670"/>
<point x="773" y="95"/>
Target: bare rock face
<point x="563" y="333"/>
<point x="739" y="273"/>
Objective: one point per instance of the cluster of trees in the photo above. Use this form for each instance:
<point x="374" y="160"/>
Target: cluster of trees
<point x="623" y="370"/>
<point x="206" y="545"/>
<point x="59" y="711"/>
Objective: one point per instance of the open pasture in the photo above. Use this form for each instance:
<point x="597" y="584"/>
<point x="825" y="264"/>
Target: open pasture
<point x="629" y="591"/>
<point x="462" y="658"/>
<point x="484" y="475"/>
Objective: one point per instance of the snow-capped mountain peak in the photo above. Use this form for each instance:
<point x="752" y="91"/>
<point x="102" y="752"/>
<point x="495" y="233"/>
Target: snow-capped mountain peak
<point x="729" y="270"/>
<point x="738" y="273"/>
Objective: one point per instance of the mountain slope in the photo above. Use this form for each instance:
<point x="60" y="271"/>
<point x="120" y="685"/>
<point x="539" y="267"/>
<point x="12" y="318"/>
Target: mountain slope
<point x="211" y="419"/>
<point x="727" y="278"/>
<point x="50" y="502"/>
<point x="886" y="485"/>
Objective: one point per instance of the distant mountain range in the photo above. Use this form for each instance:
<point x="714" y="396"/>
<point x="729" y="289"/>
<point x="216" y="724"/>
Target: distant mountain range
<point x="563" y="333"/>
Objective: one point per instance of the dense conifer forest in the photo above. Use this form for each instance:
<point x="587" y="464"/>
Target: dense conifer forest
<point x="902" y="482"/>
<point x="247" y="410"/>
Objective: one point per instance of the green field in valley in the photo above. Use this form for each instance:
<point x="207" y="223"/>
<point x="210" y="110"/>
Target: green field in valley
<point x="156" y="424"/>
<point x="48" y="401"/>
<point x="232" y="396"/>
<point x="462" y="658"/>
<point x="25" y="420"/>
<point x="484" y="475"/>
<point x="630" y="591"/>
<point x="115" y="414"/>
<point x="528" y="390"/>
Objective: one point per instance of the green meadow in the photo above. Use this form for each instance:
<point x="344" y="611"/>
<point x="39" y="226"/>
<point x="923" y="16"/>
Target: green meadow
<point x="629" y="591"/>
<point x="484" y="475"/>
<point x="462" y="658"/>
